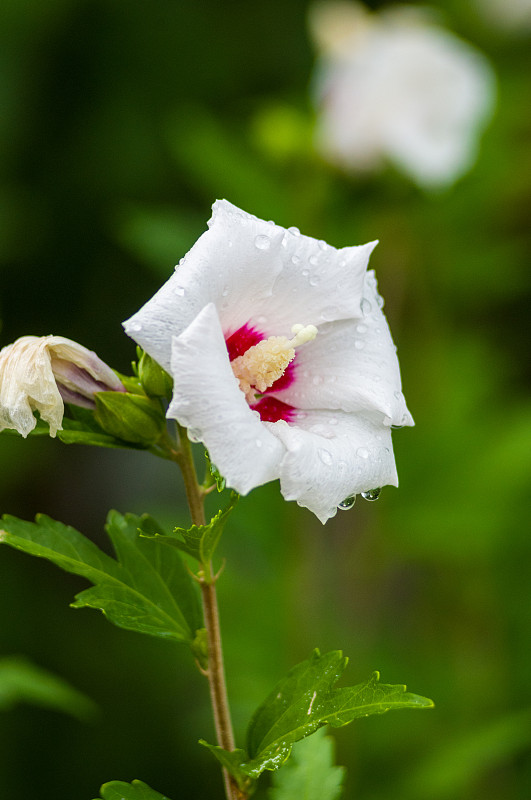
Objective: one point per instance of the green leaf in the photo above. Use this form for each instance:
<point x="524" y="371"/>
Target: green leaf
<point x="23" y="682"/>
<point x="148" y="589"/>
<point x="310" y="772"/>
<point x="232" y="761"/>
<point x="200" y="541"/>
<point x="305" y="700"/>
<point x="137" y="790"/>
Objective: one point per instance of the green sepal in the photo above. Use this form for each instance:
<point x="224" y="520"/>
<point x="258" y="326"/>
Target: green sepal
<point x="131" y="417"/>
<point x="147" y="589"/>
<point x="233" y="761"/>
<point x="200" y="541"/>
<point x="24" y="682"/>
<point x="154" y="380"/>
<point x="77" y="431"/>
<point x="310" y="772"/>
<point x="137" y="790"/>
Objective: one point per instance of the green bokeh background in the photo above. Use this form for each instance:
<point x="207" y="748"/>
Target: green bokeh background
<point x="120" y="123"/>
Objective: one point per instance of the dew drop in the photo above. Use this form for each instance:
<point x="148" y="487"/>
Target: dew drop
<point x="313" y="261"/>
<point x="295" y="231"/>
<point x="362" y="452"/>
<point x="261" y="320"/>
<point x="194" y="434"/>
<point x="322" y="244"/>
<point x="325" y="456"/>
<point x="225" y="291"/>
<point x="262" y="242"/>
<point x="361" y="328"/>
<point x="295" y="259"/>
<point x="179" y="290"/>
<point x="135" y="327"/>
<point x="347" y="503"/>
<point x="365" y="306"/>
<point x="371" y="494"/>
<point x="305" y="272"/>
<point x="258" y="442"/>
<point x="301" y="415"/>
<point x="358" y="344"/>
<point x="314" y="280"/>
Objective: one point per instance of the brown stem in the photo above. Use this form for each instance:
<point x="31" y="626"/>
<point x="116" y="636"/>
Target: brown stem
<point x="216" y="672"/>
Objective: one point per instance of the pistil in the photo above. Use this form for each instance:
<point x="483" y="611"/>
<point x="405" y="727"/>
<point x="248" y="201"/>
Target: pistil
<point x="264" y="363"/>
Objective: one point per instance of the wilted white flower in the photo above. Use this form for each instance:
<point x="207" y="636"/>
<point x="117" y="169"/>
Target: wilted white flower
<point x="396" y="86"/>
<point x="39" y="373"/>
<point x="282" y="360"/>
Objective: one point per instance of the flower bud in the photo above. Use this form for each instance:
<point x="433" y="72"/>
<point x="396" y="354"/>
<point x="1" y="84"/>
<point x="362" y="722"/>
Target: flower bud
<point x="131" y="417"/>
<point x="41" y="374"/>
<point x="155" y="381"/>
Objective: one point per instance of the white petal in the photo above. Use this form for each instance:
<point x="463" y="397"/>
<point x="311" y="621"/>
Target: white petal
<point x="208" y="401"/>
<point x="352" y="366"/>
<point x="254" y="272"/>
<point x="331" y="456"/>
<point x="27" y="384"/>
<point x="318" y="283"/>
<point x="233" y="265"/>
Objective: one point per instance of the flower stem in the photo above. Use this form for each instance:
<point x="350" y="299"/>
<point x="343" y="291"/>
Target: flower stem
<point x="215" y="672"/>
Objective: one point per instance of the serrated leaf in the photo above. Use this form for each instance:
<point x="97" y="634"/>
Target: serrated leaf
<point x="137" y="790"/>
<point x="148" y="589"/>
<point x="24" y="682"/>
<point x="200" y="541"/>
<point x="310" y="773"/>
<point x="305" y="700"/>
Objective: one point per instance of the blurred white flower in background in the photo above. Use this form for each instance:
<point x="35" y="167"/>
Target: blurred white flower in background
<point x="396" y="86"/>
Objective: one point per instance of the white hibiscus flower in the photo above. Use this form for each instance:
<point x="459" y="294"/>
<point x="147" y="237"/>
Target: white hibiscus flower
<point x="396" y="86"/>
<point x="41" y="373"/>
<point x="282" y="360"/>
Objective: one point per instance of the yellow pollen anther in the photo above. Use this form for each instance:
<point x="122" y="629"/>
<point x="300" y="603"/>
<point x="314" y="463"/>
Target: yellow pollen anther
<point x="265" y="362"/>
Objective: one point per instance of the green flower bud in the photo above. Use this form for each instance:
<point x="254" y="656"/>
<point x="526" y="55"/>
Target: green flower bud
<point x="155" y="381"/>
<point x="131" y="417"/>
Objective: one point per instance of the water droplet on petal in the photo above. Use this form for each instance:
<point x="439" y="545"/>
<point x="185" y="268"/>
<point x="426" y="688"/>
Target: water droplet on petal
<point x="301" y="414"/>
<point x="361" y="328"/>
<point x="347" y="503"/>
<point x="258" y="442"/>
<point x="295" y="259"/>
<point x="358" y="344"/>
<point x="179" y="290"/>
<point x="305" y="272"/>
<point x="314" y="280"/>
<point x="322" y="244"/>
<point x="261" y="320"/>
<point x="225" y="291"/>
<point x="325" y="456"/>
<point x="329" y="313"/>
<point x="262" y="242"/>
<point x="295" y="231"/>
<point x="135" y="327"/>
<point x="371" y="494"/>
<point x="362" y="452"/>
<point x="194" y="434"/>
<point x="313" y="261"/>
<point x="365" y="306"/>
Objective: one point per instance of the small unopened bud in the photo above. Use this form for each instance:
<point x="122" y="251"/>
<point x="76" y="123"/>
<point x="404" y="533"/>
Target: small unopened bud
<point x="41" y="373"/>
<point x="131" y="417"/>
<point x="155" y="381"/>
